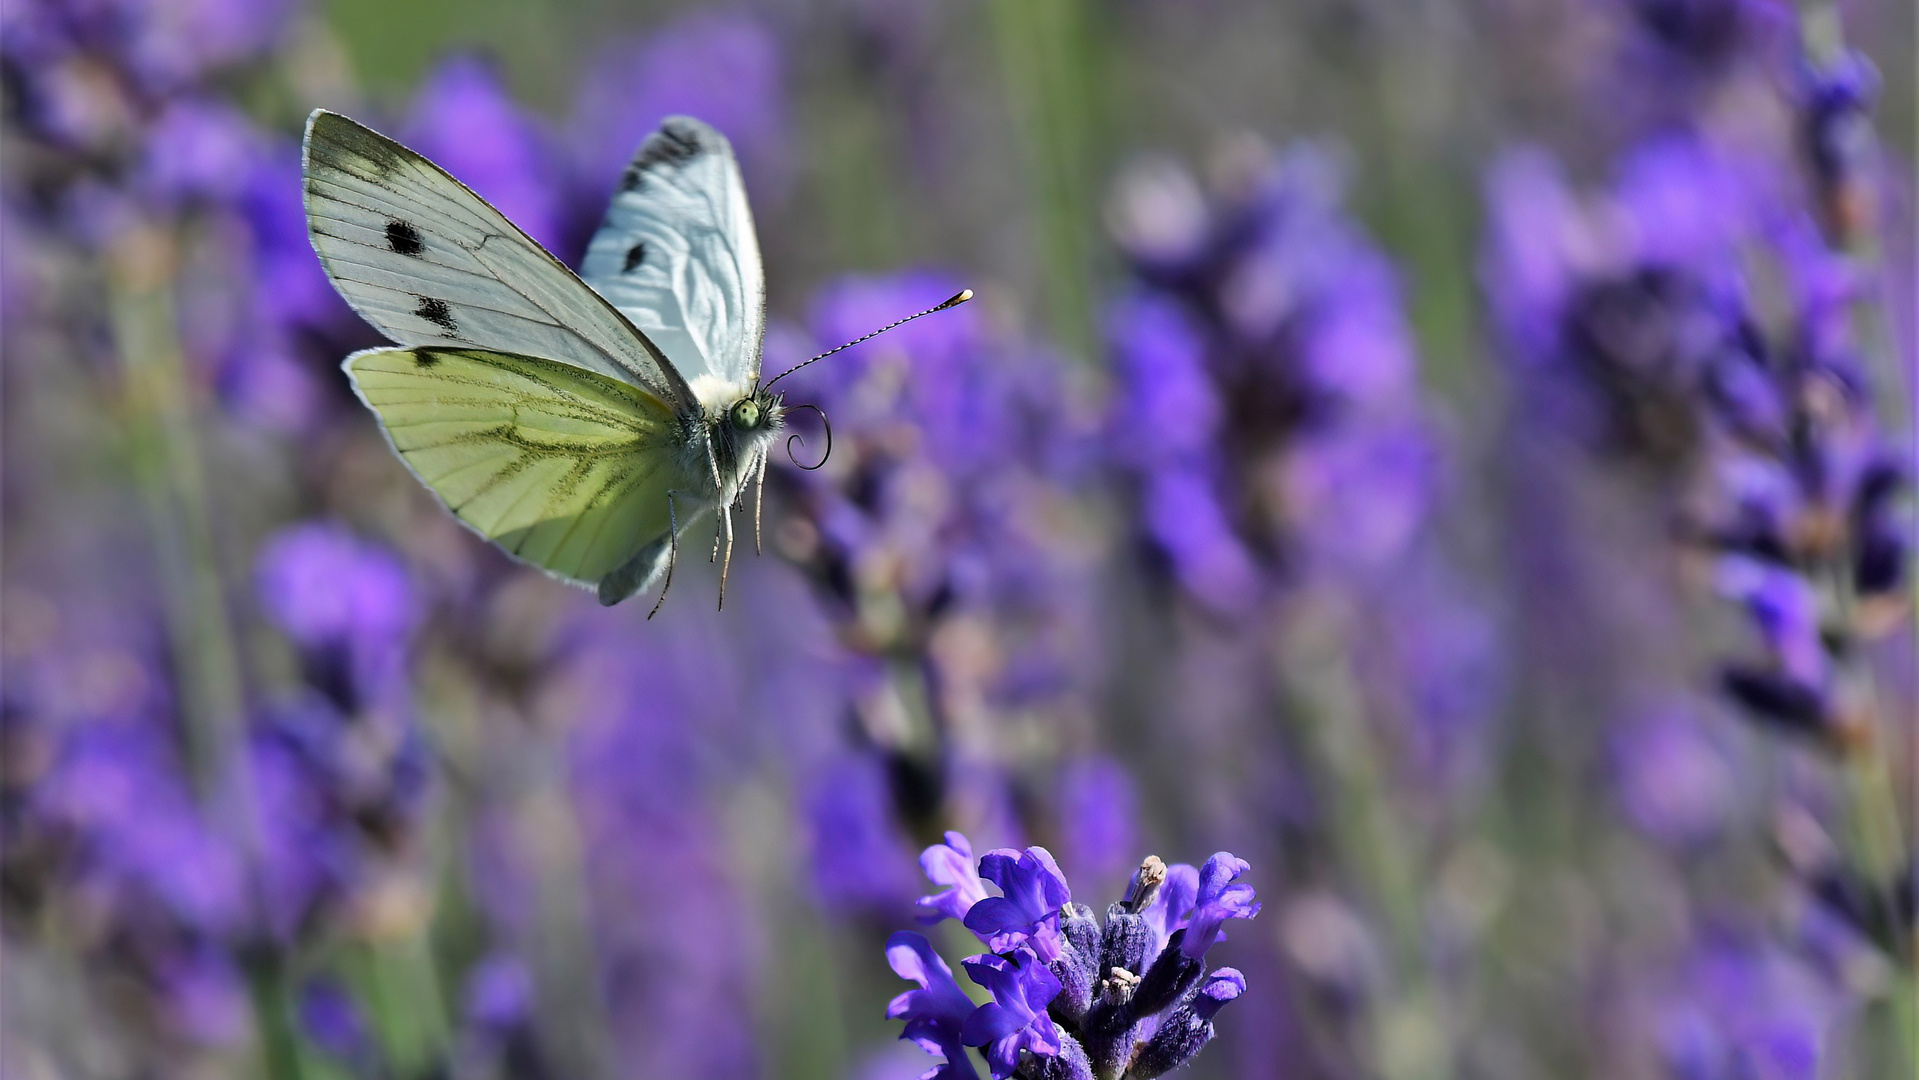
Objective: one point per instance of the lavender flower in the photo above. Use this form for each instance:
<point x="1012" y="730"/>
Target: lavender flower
<point x="347" y="604"/>
<point x="1835" y="103"/>
<point x="1069" y="1001"/>
<point x="1221" y="897"/>
<point x="1027" y="911"/>
<point x="1637" y="316"/>
<point x="950" y="864"/>
<point x="1170" y="908"/>
<point x="1673" y="780"/>
<point x="1016" y="1019"/>
<point x="936" y="1013"/>
<point x="1663" y="336"/>
<point x="674" y="972"/>
<point x="858" y="855"/>
<point x="1268" y="403"/>
<point x="1705" y="34"/>
<point x="1739" y="1005"/>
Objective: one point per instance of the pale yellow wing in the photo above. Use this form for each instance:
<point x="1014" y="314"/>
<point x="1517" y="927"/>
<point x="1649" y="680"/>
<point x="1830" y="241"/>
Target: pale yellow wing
<point x="560" y="466"/>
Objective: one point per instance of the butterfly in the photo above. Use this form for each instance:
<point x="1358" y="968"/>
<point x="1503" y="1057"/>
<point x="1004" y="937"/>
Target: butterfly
<point x="580" y="422"/>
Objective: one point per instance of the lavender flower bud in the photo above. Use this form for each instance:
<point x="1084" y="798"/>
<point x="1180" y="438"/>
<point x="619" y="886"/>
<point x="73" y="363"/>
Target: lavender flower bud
<point x="1778" y="699"/>
<point x="1172" y="974"/>
<point x="1078" y="963"/>
<point x="1189" y="1028"/>
<point x="1125" y="942"/>
<point x="1111" y="1027"/>
<point x="1071" y="1063"/>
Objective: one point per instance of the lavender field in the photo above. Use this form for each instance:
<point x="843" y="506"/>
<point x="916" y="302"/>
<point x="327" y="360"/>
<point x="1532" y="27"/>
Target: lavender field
<point x="1404" y="570"/>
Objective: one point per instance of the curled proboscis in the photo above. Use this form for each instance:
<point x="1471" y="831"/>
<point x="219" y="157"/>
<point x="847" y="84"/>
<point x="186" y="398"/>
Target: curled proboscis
<point x="801" y="439"/>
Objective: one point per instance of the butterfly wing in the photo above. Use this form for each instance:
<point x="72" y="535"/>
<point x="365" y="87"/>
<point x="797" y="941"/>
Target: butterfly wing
<point x="678" y="256"/>
<point x="429" y="263"/>
<point x="562" y="467"/>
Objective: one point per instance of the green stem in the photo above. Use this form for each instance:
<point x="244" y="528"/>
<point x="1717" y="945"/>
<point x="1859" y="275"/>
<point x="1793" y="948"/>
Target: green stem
<point x="1877" y="836"/>
<point x="164" y="452"/>
<point x="397" y="981"/>
<point x="1046" y="59"/>
<point x="1371" y="833"/>
<point x="280" y="1050"/>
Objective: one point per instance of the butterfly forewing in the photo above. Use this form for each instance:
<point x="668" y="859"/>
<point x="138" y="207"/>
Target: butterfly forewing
<point x="678" y="256"/>
<point x="563" y="467"/>
<point x="429" y="263"/>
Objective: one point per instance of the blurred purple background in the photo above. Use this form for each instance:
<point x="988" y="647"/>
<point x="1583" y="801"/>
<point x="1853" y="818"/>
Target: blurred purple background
<point x="1455" y="456"/>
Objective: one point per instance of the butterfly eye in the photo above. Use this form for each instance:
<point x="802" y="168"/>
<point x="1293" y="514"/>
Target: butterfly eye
<point x="746" y="415"/>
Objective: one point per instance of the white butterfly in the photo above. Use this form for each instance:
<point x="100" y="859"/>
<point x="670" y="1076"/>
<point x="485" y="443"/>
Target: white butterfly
<point x="578" y="424"/>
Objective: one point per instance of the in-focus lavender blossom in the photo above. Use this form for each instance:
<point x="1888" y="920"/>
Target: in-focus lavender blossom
<point x="1071" y="999"/>
<point x="951" y="864"/>
<point x="937" y="1012"/>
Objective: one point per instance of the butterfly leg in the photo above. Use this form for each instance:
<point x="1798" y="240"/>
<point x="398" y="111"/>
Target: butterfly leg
<point x="726" y="516"/>
<point x="672" y="552"/>
<point x="759" y="499"/>
<point x="713" y="465"/>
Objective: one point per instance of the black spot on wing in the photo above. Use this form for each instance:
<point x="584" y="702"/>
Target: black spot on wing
<point x="404" y="238"/>
<point x="673" y="144"/>
<point x="435" y="311"/>
<point x="424" y="359"/>
<point x="634" y="256"/>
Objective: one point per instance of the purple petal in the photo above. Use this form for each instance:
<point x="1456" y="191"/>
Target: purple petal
<point x="991" y="1021"/>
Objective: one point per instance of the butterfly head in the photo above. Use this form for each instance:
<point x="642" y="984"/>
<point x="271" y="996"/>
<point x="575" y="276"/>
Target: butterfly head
<point x="755" y="412"/>
<point x="743" y="430"/>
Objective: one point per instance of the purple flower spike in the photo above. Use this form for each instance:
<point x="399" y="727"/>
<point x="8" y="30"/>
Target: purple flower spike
<point x="950" y="864"/>
<point x="937" y="1012"/>
<point x="1219" y="899"/>
<point x="1016" y="1018"/>
<point x="1029" y="912"/>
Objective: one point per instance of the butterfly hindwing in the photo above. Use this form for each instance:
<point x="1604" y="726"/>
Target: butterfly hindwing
<point x="562" y="467"/>
<point x="429" y="263"/>
<point x="678" y="256"/>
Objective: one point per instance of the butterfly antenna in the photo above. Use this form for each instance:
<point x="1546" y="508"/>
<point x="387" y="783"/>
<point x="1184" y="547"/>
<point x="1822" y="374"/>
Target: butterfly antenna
<point x="953" y="301"/>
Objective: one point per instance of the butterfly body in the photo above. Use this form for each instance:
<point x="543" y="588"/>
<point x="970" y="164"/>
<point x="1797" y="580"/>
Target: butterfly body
<point x="581" y="423"/>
